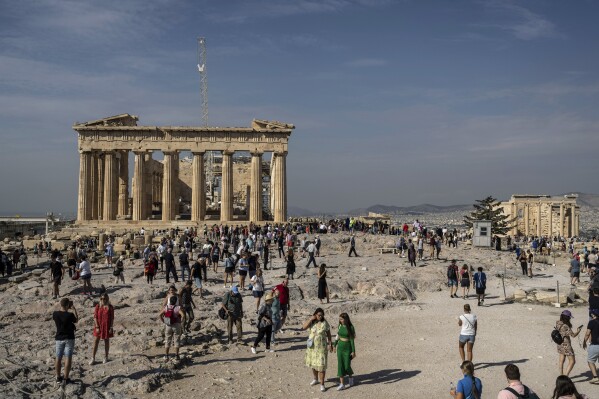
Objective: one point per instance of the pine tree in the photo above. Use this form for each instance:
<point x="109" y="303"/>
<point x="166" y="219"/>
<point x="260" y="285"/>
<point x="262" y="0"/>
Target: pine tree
<point x="490" y="209"/>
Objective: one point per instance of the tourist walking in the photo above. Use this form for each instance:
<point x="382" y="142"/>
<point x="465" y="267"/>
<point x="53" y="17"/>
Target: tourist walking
<point x="284" y="300"/>
<point x="480" y="284"/>
<point x="243" y="270"/>
<point x="323" y="289"/>
<point x="229" y="269"/>
<point x="85" y="273"/>
<point x="290" y="268"/>
<point x="169" y="262"/>
<point x="196" y="274"/>
<point x="264" y="323"/>
<point x="184" y="265"/>
<point x="465" y="281"/>
<point x="574" y="270"/>
<point x="56" y="273"/>
<point x="591" y="338"/>
<point x="346" y="351"/>
<point x="318" y="345"/>
<point x="411" y="253"/>
<point x="187" y="303"/>
<point x="530" y="262"/>
<point x="523" y="259"/>
<point x="311" y="251"/>
<point x="103" y="326"/>
<point x="452" y="279"/>
<point x="172" y="316"/>
<point x="276" y="316"/>
<point x="469" y="387"/>
<point x="565" y="389"/>
<point x="65" y="320"/>
<point x="564" y="326"/>
<point x="108" y="252"/>
<point x="233" y="305"/>
<point x="515" y="388"/>
<point x="469" y="324"/>
<point x="150" y="268"/>
<point x="214" y="254"/>
<point x="258" y="287"/>
<point x="119" y="270"/>
<point x="352" y="246"/>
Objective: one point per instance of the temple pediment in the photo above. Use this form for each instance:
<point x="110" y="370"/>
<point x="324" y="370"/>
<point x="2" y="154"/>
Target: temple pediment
<point x="261" y="124"/>
<point x="117" y="120"/>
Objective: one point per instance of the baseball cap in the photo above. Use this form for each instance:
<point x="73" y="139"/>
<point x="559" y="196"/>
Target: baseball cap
<point x="567" y="313"/>
<point x="235" y="290"/>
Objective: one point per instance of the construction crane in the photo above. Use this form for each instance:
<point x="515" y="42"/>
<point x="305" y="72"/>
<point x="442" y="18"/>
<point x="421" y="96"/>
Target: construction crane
<point x="210" y="175"/>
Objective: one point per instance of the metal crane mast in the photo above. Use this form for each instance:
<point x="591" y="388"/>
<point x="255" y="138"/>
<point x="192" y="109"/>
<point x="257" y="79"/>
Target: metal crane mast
<point x="210" y="176"/>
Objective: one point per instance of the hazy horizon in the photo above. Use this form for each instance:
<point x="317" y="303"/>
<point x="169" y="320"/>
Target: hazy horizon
<point x="395" y="102"/>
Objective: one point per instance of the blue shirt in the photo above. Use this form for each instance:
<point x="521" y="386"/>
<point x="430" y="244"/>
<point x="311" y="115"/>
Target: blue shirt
<point x="480" y="280"/>
<point x="465" y="387"/>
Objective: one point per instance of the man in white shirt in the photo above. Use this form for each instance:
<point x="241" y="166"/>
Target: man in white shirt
<point x="311" y="249"/>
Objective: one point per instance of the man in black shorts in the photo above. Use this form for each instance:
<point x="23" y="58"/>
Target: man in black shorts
<point x="56" y="272"/>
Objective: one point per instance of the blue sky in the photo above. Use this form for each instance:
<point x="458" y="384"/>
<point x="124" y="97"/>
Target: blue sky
<point x="394" y="102"/>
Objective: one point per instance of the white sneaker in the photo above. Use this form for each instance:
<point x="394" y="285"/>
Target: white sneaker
<point x="322" y="388"/>
<point x="271" y="350"/>
<point x="341" y="387"/>
<point x="314" y="382"/>
<point x="253" y="350"/>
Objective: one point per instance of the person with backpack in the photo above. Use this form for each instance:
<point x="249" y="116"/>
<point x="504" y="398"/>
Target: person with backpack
<point x="264" y="323"/>
<point x="465" y="281"/>
<point x="172" y="316"/>
<point x="229" y="269"/>
<point x="480" y="284"/>
<point x="469" y="324"/>
<point x="564" y="349"/>
<point x="186" y="300"/>
<point x="515" y="388"/>
<point x="469" y="387"/>
<point x="452" y="279"/>
<point x="592" y="338"/>
<point x="233" y="305"/>
<point x="118" y="271"/>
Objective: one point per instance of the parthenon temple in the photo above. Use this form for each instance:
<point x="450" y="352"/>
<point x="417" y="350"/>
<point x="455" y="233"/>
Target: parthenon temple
<point x="176" y="188"/>
<point x="543" y="215"/>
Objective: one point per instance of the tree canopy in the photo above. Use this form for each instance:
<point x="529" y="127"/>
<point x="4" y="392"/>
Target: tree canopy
<point x="490" y="209"/>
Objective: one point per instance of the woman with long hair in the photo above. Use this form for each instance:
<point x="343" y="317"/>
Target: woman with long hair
<point x="346" y="351"/>
<point x="323" y="289"/>
<point x="318" y="345"/>
<point x="465" y="280"/>
<point x="564" y="326"/>
<point x="565" y="389"/>
<point x="469" y="387"/>
<point x="290" y="264"/>
<point x="103" y="321"/>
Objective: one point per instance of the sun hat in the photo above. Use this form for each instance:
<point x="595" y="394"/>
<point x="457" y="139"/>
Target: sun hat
<point x="567" y="313"/>
<point x="268" y="297"/>
<point x="235" y="290"/>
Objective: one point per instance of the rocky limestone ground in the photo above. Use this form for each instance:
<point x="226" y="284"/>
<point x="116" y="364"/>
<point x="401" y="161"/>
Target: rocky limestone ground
<point x="405" y="321"/>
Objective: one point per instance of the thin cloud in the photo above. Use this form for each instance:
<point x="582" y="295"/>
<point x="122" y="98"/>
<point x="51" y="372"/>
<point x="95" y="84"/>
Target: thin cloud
<point x="520" y="22"/>
<point x="366" y="62"/>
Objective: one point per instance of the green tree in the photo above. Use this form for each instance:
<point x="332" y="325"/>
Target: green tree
<point x="490" y="209"/>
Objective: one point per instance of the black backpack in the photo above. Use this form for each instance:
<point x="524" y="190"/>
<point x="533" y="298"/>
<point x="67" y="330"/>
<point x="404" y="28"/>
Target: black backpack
<point x="451" y="273"/>
<point x="527" y="394"/>
<point x="556" y="336"/>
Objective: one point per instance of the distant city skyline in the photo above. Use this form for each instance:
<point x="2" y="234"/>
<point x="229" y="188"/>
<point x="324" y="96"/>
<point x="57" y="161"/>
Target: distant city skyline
<point x="395" y="102"/>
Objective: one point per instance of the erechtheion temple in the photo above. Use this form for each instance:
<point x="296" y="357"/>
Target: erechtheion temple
<point x="175" y="188"/>
<point x="543" y="215"/>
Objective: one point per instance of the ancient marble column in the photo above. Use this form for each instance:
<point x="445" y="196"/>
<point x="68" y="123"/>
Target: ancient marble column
<point x="100" y="199"/>
<point x="561" y="219"/>
<point x="94" y="186"/>
<point x="198" y="188"/>
<point x="226" y="195"/>
<point x="110" y="185"/>
<point x="273" y="167"/>
<point x="550" y="220"/>
<point x="123" y="203"/>
<point x="139" y="211"/>
<point x="255" y="212"/>
<point x="148" y="186"/>
<point x="176" y="184"/>
<point x="167" y="188"/>
<point x="526" y="219"/>
<point x="540" y="204"/>
<point x="280" y="188"/>
<point x="84" y="208"/>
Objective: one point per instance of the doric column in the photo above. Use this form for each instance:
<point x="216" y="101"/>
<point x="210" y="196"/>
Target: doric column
<point x="526" y="219"/>
<point x="84" y="208"/>
<point x="176" y="185"/>
<point x="226" y="195"/>
<point x="273" y="167"/>
<point x="539" y="219"/>
<point x="550" y="221"/>
<point x="198" y="188"/>
<point x="167" y="188"/>
<point x="139" y="209"/>
<point x="110" y="185"/>
<point x="123" y="203"/>
<point x="94" y="186"/>
<point x="280" y="188"/>
<point x="255" y="211"/>
<point x="100" y="199"/>
<point x="561" y="219"/>
<point x="148" y="186"/>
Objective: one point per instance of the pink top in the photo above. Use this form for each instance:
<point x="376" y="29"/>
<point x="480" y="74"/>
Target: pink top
<point x="516" y="386"/>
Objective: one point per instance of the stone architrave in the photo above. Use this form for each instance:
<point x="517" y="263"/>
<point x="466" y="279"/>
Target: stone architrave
<point x="139" y="211"/>
<point x="226" y="200"/>
<point x="280" y="188"/>
<point x="167" y="188"/>
<point x="123" y="202"/>
<point x="110" y="184"/>
<point x="198" y="189"/>
<point x="84" y="208"/>
<point x="255" y="214"/>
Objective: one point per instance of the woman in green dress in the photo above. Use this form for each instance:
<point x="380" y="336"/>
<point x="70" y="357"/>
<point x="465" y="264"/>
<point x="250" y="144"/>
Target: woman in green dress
<point x="346" y="351"/>
<point x="319" y="343"/>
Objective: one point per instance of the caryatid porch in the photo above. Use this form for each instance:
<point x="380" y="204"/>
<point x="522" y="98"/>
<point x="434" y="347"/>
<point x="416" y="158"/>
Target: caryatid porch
<point x="104" y="147"/>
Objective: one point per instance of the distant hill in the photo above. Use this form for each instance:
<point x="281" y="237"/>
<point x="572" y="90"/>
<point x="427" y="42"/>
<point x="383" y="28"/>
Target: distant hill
<point x="416" y="209"/>
<point x="296" y="211"/>
<point x="590" y="200"/>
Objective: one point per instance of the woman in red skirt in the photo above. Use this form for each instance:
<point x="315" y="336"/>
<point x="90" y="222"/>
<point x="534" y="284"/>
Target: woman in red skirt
<point x="103" y="320"/>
